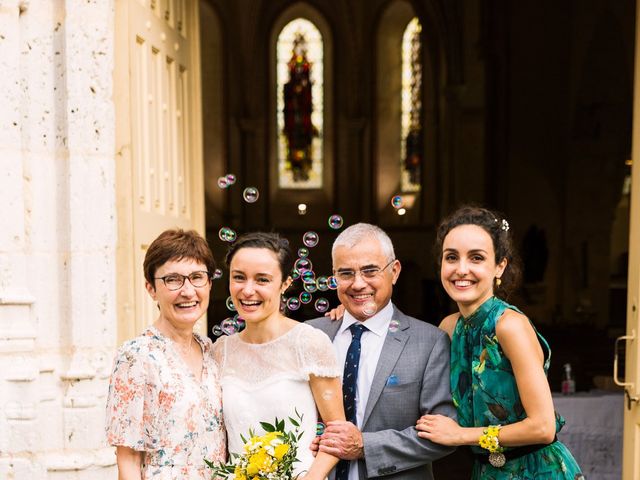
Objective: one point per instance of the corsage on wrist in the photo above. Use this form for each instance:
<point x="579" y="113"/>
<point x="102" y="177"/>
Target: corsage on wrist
<point x="489" y="441"/>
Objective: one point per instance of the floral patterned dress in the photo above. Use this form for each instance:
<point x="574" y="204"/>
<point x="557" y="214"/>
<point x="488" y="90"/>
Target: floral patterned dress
<point x="156" y="405"/>
<point x="485" y="393"/>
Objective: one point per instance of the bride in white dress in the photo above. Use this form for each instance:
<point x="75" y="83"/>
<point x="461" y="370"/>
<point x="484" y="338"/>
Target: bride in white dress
<point x="276" y="365"/>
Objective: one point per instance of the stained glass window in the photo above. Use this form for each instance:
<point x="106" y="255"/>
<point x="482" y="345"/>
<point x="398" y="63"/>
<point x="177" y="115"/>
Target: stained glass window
<point x="411" y="147"/>
<point x="299" y="97"/>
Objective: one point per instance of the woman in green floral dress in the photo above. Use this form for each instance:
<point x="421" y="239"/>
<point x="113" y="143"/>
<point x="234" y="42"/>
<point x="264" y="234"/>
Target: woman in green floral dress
<point x="499" y="361"/>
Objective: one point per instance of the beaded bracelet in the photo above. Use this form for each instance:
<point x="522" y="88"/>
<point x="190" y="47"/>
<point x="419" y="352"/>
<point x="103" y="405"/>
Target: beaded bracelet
<point x="489" y="441"/>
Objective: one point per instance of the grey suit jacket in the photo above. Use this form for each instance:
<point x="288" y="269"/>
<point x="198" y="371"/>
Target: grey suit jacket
<point x="417" y="355"/>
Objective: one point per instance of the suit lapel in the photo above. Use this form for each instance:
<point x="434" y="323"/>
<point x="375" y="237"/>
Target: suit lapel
<point x="394" y="343"/>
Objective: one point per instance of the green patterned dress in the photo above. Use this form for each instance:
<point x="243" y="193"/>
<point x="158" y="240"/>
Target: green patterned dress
<point x="485" y="393"/>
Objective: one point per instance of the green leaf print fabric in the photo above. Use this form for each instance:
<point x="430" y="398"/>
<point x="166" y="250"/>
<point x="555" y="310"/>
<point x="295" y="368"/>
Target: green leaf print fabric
<point x="485" y="393"/>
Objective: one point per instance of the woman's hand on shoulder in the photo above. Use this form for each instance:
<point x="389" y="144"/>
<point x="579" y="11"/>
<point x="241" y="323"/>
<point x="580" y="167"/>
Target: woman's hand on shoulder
<point x="448" y="323"/>
<point x="335" y="313"/>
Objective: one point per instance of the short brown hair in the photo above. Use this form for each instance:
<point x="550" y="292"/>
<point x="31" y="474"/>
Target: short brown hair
<point x="177" y="244"/>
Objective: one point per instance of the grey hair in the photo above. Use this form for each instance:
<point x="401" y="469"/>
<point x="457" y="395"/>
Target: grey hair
<point x="350" y="236"/>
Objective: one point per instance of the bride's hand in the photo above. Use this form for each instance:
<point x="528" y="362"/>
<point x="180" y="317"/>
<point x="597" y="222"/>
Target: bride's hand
<point x="335" y="313"/>
<point x="315" y="445"/>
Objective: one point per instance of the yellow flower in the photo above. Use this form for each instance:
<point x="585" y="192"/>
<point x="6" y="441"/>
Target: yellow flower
<point x="239" y="473"/>
<point x="259" y="462"/>
<point x="281" y="451"/>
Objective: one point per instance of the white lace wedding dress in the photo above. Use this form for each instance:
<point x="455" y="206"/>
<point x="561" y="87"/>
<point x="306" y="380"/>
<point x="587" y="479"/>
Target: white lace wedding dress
<point x="263" y="381"/>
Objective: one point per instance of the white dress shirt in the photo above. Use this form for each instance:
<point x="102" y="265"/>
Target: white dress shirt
<point x="372" y="341"/>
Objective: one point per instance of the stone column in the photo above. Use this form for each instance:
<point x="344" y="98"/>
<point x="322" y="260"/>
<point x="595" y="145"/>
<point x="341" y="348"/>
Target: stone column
<point x="58" y="235"/>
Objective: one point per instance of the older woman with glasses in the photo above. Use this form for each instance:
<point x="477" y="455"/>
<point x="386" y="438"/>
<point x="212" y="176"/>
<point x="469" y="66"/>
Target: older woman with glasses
<point x="164" y="408"/>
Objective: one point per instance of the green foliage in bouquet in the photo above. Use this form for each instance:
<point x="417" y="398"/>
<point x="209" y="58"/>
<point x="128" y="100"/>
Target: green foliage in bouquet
<point x="265" y="457"/>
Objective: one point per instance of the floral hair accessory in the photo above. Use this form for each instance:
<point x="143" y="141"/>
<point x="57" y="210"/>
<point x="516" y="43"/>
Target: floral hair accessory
<point x="505" y="225"/>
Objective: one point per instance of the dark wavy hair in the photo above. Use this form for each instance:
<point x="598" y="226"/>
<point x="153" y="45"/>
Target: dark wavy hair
<point x="269" y="240"/>
<point x="494" y="224"/>
<point x="177" y="244"/>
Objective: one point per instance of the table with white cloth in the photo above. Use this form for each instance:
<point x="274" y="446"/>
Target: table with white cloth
<point x="593" y="431"/>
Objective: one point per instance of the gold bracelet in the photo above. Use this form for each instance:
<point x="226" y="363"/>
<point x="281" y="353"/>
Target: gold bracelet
<point x="489" y="441"/>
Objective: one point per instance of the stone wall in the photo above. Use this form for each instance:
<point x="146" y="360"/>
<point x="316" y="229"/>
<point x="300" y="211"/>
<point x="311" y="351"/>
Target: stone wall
<point x="57" y="237"/>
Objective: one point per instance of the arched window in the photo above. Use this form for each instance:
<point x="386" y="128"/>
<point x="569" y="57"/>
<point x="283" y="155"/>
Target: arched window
<point x="411" y="148"/>
<point x="406" y="128"/>
<point x="299" y="105"/>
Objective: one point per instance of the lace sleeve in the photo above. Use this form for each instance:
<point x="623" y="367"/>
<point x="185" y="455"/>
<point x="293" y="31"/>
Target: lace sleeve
<point x="317" y="355"/>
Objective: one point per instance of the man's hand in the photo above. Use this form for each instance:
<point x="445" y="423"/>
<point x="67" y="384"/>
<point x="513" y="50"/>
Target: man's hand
<point x="343" y="440"/>
<point x="315" y="445"/>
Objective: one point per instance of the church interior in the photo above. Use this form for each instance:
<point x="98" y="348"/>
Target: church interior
<point x="523" y="107"/>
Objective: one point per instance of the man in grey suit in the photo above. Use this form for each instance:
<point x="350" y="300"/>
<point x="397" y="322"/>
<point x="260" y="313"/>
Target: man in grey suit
<point x="400" y="372"/>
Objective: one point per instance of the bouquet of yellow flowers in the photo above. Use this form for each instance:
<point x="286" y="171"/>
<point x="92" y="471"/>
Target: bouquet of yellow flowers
<point x="265" y="457"/>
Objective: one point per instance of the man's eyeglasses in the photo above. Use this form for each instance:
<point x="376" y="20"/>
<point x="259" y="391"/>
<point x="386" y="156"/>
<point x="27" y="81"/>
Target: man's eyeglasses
<point x="349" y="276"/>
<point x="175" y="281"/>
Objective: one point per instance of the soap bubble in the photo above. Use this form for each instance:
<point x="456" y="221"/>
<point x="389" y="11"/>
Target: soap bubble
<point x="308" y="276"/>
<point x="305" y="297"/>
<point x="230" y="178"/>
<point x="293" y="303"/>
<point x="250" y="194"/>
<point x="322" y="305"/>
<point x="302" y="265"/>
<point x="240" y="323"/>
<point x="323" y="284"/>
<point x="310" y="287"/>
<point x="303" y="252"/>
<point x="217" y="273"/>
<point x="369" y="309"/>
<point x="228" y="326"/>
<point x="295" y="274"/>
<point x="216" y="330"/>
<point x="332" y="282"/>
<point x="319" y="428"/>
<point x="397" y="201"/>
<point x="222" y="182"/>
<point x="310" y="239"/>
<point x="335" y="222"/>
<point x="227" y="234"/>
<point x="394" y="325"/>
<point x="229" y="303"/>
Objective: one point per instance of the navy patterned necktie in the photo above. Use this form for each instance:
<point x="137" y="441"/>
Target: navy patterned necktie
<point x="349" y="386"/>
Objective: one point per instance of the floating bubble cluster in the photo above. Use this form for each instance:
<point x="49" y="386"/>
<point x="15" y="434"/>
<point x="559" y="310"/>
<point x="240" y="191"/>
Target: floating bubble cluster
<point x="229" y="326"/>
<point x="250" y="194"/>
<point x="310" y="239"/>
<point x="335" y="222"/>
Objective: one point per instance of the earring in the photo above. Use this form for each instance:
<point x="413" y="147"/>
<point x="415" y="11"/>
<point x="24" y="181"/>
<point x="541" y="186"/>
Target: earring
<point x="498" y="282"/>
